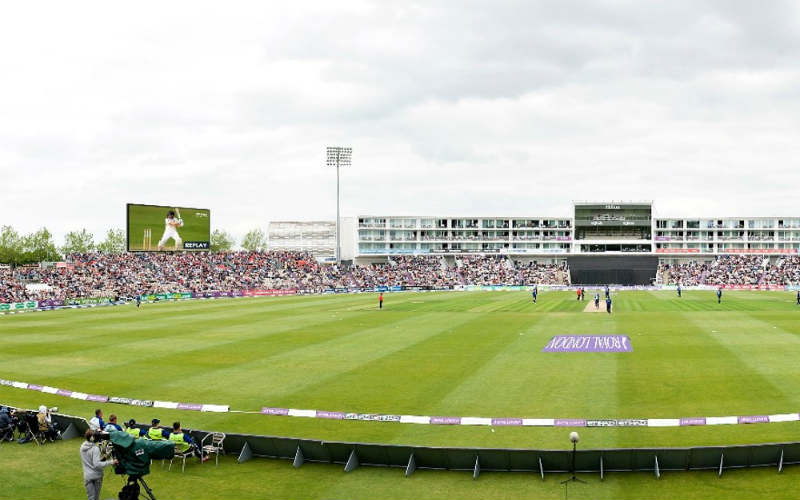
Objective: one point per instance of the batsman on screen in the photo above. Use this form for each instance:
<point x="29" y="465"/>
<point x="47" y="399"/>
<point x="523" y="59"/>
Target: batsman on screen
<point x="171" y="226"/>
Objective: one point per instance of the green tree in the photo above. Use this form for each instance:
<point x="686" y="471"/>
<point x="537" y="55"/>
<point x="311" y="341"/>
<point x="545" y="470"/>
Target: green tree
<point x="114" y="243"/>
<point x="78" y="242"/>
<point x="39" y="247"/>
<point x="221" y="241"/>
<point x="10" y="246"/>
<point x="254" y="240"/>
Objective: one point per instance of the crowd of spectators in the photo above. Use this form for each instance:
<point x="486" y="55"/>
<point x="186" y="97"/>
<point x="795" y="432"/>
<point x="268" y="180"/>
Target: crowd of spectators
<point x="501" y="270"/>
<point x="131" y="274"/>
<point x="733" y="270"/>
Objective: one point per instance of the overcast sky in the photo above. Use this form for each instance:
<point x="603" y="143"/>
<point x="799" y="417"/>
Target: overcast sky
<point x="451" y="107"/>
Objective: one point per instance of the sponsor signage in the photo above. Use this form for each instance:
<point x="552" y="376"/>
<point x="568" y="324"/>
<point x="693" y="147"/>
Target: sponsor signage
<point x="760" y="250"/>
<point x="632" y="422"/>
<point x="274" y="411"/>
<point x="589" y="343"/>
<point x="372" y="417"/>
<point x="18" y="306"/>
<point x="334" y="415"/>
<point x="214" y="295"/>
<point x="506" y="421"/>
<point x="677" y="250"/>
<point x="446" y="420"/>
<point x="754" y="287"/>
<point x="51" y="303"/>
<point x="628" y="422"/>
<point x="465" y="250"/>
<point x="753" y="419"/>
<point x="189" y="406"/>
<point x="392" y="251"/>
<point x="693" y="421"/>
<point x="132" y="402"/>
<point x="569" y="422"/>
<point x="77" y="301"/>
<point x="601" y="423"/>
<point x="269" y="292"/>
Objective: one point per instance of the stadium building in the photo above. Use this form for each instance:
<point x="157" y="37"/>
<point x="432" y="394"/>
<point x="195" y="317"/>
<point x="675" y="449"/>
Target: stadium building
<point x="316" y="237"/>
<point x="613" y="241"/>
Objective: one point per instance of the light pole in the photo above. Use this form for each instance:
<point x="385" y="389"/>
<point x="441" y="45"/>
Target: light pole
<point x="338" y="157"/>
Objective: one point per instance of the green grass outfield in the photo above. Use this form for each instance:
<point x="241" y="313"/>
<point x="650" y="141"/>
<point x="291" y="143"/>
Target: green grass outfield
<point x="461" y="354"/>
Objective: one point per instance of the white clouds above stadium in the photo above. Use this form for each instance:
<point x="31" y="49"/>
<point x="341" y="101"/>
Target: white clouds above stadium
<point x="454" y="107"/>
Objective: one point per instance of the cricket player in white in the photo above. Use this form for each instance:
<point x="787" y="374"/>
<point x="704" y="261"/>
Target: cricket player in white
<point x="171" y="231"/>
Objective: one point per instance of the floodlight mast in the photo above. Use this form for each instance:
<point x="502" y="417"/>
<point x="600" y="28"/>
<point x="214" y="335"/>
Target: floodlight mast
<point x="338" y="157"/>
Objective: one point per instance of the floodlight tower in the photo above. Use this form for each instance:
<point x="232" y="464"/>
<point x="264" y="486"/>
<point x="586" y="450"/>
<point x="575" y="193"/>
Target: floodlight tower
<point x="338" y="157"/>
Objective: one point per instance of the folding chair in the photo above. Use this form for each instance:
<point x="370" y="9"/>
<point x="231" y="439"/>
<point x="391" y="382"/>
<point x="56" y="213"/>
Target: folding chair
<point x="181" y="456"/>
<point x="215" y="446"/>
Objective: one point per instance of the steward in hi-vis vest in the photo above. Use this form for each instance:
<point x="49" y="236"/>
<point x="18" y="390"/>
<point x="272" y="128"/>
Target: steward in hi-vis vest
<point x="130" y="428"/>
<point x="180" y="440"/>
<point x="155" y="432"/>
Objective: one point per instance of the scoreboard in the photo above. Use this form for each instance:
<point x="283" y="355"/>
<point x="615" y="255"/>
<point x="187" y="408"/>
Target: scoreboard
<point x="614" y="222"/>
<point x="611" y="215"/>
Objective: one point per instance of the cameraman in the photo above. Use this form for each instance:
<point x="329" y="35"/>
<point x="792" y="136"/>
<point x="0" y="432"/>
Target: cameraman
<point x="93" y="466"/>
<point x="46" y="426"/>
<point x="6" y="425"/>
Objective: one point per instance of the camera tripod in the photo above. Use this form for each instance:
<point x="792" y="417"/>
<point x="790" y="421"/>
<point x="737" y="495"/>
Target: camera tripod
<point x="573" y="479"/>
<point x="136" y="480"/>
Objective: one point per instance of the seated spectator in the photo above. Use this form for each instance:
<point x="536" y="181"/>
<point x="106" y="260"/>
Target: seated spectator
<point x="96" y="423"/>
<point x="183" y="442"/>
<point x="155" y="432"/>
<point x="112" y="424"/>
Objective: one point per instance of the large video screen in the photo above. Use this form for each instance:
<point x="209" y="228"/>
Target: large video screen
<point x="156" y="228"/>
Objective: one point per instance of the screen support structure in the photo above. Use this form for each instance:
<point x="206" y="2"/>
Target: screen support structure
<point x="338" y="157"/>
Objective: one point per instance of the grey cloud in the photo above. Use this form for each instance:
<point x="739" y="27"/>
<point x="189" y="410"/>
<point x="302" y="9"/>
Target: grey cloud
<point x="451" y="107"/>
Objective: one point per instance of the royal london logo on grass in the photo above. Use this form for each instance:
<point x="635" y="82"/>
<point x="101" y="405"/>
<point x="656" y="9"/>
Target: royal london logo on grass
<point x="589" y="343"/>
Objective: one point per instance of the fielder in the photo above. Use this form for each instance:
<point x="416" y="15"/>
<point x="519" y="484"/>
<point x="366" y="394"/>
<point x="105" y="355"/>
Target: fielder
<point x="171" y="231"/>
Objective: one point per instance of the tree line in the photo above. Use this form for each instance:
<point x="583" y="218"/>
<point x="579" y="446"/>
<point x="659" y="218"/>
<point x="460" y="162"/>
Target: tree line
<point x="39" y="246"/>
